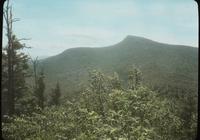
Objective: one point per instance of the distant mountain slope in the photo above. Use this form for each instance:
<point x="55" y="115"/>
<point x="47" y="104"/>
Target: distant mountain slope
<point x="161" y="64"/>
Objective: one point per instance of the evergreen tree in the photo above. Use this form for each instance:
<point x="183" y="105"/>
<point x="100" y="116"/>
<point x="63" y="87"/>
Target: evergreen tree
<point x="4" y="85"/>
<point x="9" y="52"/>
<point x="40" y="88"/>
<point x="35" y="67"/>
<point x="55" y="96"/>
<point x="20" y="71"/>
<point x="15" y="67"/>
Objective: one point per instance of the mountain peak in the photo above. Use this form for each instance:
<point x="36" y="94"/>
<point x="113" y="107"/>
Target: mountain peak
<point x="132" y="37"/>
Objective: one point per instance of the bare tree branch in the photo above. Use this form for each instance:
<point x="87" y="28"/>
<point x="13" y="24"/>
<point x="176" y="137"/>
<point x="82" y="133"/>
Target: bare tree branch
<point x="23" y="39"/>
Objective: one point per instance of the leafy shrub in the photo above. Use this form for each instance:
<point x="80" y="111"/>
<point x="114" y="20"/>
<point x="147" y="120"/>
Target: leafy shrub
<point x="103" y="113"/>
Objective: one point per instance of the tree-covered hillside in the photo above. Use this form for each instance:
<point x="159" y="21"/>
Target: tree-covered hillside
<point x="106" y="110"/>
<point x="174" y="66"/>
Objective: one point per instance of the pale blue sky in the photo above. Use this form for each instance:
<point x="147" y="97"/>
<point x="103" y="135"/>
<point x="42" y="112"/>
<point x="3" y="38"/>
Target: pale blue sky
<point x="56" y="26"/>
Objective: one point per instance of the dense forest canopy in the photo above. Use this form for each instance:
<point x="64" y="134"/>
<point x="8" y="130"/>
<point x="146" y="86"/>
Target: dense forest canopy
<point x="107" y="110"/>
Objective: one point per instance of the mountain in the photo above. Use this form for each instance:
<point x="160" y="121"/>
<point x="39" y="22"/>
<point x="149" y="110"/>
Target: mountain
<point x="161" y="64"/>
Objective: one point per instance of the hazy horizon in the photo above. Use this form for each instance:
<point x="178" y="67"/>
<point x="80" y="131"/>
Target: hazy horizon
<point x="55" y="27"/>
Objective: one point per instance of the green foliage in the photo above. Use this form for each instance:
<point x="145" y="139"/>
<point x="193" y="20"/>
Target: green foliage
<point x="20" y="71"/>
<point x="55" y="96"/>
<point x="134" y="78"/>
<point x="115" y="81"/>
<point x="39" y="91"/>
<point x="27" y="104"/>
<point x="98" y="87"/>
<point x="139" y="114"/>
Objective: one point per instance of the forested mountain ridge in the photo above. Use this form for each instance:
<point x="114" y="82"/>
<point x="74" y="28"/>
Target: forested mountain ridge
<point x="137" y="89"/>
<point x="161" y="64"/>
<point x="108" y="105"/>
